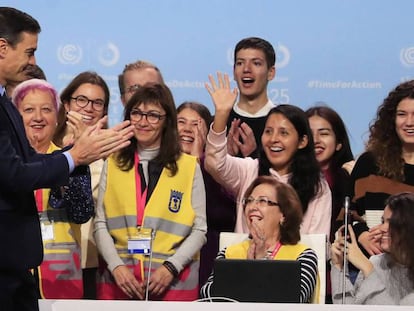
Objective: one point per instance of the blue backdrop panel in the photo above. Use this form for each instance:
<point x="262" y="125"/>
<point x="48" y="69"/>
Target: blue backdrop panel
<point x="349" y="54"/>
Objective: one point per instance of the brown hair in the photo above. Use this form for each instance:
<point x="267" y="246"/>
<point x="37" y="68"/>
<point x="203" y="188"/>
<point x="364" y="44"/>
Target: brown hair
<point x="383" y="141"/>
<point x="289" y="205"/>
<point x="170" y="146"/>
<point x="401" y="228"/>
<point x="65" y="97"/>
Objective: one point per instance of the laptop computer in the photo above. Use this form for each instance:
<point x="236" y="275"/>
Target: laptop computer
<point x="247" y="280"/>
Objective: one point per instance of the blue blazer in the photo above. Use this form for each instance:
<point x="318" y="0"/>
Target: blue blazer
<point x="22" y="170"/>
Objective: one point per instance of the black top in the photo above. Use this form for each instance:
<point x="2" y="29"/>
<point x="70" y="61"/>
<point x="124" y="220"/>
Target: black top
<point x="370" y="191"/>
<point x="256" y="124"/>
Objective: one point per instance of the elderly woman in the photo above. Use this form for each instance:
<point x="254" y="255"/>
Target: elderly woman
<point x="387" y="278"/>
<point x="151" y="190"/>
<point x="273" y="215"/>
<point x="61" y="210"/>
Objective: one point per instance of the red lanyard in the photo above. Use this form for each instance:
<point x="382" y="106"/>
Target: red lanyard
<point x="277" y="247"/>
<point x="39" y="199"/>
<point x="140" y="197"/>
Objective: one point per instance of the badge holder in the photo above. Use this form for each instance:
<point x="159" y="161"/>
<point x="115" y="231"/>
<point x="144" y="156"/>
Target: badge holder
<point x="141" y="243"/>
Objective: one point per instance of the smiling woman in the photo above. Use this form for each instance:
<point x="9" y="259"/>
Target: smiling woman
<point x="151" y="187"/>
<point x="387" y="166"/>
<point x="88" y="95"/>
<point x="273" y="213"/>
<point x="287" y="154"/>
<point x="61" y="209"/>
<point x="333" y="152"/>
<point x="193" y="120"/>
<point x="387" y="278"/>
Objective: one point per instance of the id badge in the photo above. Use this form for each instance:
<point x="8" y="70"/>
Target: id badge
<point x="141" y="242"/>
<point x="47" y="227"/>
<point x="47" y="230"/>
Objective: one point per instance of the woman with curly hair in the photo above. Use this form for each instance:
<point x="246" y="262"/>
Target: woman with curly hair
<point x="386" y="278"/>
<point x="387" y="166"/>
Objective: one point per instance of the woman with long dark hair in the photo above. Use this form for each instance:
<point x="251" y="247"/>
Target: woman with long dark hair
<point x="150" y="190"/>
<point x="387" y="278"/>
<point x="287" y="154"/>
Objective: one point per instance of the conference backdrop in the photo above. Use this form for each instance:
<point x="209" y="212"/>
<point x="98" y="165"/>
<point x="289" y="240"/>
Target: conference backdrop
<point x="347" y="54"/>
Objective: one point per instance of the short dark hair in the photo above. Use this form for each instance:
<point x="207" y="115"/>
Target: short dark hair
<point x="35" y="72"/>
<point x="257" y="44"/>
<point x="289" y="205"/>
<point x="14" y="22"/>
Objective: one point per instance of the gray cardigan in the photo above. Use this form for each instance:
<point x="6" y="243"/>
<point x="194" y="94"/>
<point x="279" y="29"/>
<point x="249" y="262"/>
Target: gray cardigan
<point x="383" y="286"/>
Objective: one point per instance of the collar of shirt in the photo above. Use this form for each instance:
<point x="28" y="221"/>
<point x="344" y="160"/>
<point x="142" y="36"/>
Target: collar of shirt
<point x="261" y="113"/>
<point x="2" y="90"/>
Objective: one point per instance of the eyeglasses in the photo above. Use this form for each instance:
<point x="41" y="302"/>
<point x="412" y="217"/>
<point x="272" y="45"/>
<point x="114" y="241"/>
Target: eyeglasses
<point x="83" y="101"/>
<point x="260" y="201"/>
<point x="132" y="89"/>
<point x="152" y="117"/>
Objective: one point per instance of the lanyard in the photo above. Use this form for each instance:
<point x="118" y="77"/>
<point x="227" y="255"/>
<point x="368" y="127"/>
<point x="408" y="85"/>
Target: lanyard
<point x="39" y="199"/>
<point x="140" y="197"/>
<point x="277" y="247"/>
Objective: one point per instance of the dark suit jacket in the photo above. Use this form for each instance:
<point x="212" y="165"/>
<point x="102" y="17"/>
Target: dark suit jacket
<point x="22" y="170"/>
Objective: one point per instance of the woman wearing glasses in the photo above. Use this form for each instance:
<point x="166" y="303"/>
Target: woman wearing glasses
<point x="273" y="214"/>
<point x="151" y="191"/>
<point x="88" y="95"/>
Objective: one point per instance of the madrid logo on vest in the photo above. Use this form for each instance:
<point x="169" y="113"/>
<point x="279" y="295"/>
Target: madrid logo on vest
<point x="175" y="201"/>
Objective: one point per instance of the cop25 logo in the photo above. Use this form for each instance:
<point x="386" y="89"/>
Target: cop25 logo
<point x="107" y="54"/>
<point x="407" y="56"/>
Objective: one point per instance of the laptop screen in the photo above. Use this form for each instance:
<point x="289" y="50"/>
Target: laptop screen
<point x="247" y="280"/>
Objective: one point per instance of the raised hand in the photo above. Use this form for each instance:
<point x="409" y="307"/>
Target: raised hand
<point x="355" y="255"/>
<point x="258" y="240"/>
<point x="233" y="137"/>
<point x="200" y="135"/>
<point x="247" y="143"/>
<point x="223" y="98"/>
<point x="353" y="252"/>
<point x="75" y="124"/>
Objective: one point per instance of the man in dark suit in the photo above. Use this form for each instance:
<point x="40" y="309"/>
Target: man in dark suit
<point x="22" y="170"/>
